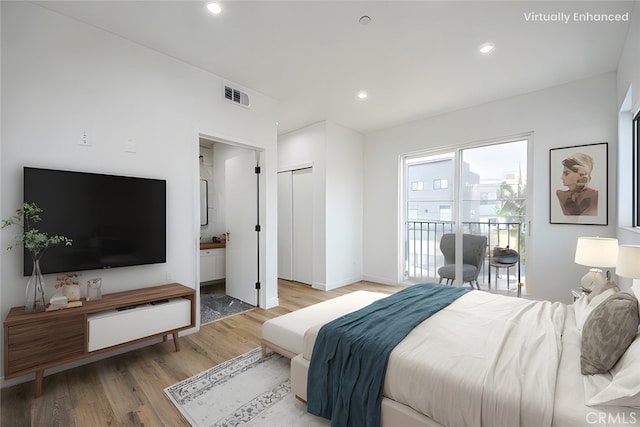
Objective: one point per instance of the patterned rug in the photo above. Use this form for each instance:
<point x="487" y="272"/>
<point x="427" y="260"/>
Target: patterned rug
<point x="247" y="391"/>
<point x="217" y="306"/>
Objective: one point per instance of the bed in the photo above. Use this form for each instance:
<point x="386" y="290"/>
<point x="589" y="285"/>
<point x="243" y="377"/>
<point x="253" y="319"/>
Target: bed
<point x="492" y="360"/>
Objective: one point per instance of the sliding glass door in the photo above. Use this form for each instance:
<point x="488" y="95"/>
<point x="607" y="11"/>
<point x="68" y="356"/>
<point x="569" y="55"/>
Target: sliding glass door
<point x="474" y="191"/>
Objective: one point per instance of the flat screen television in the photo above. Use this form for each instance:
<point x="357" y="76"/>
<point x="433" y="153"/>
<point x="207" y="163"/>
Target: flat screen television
<point x="114" y="221"/>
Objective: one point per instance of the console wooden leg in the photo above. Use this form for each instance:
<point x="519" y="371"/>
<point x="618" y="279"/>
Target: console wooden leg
<point x="165" y="338"/>
<point x="38" y="383"/>
<point x="176" y="343"/>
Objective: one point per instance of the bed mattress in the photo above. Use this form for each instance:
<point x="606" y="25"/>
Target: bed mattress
<point x="493" y="360"/>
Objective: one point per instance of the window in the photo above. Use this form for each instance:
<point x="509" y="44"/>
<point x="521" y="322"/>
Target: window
<point x="417" y="185"/>
<point x="440" y="184"/>
<point x="636" y="169"/>
<point x="446" y="213"/>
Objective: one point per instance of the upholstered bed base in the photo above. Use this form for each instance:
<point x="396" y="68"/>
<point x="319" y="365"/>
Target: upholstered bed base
<point x="284" y="334"/>
<point x="393" y="413"/>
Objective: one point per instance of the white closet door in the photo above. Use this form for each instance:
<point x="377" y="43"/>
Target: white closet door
<point x="285" y="225"/>
<point x="302" y="249"/>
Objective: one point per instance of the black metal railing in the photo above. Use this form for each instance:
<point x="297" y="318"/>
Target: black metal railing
<point x="422" y="244"/>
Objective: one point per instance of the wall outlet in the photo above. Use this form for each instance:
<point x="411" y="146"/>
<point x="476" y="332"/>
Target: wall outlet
<point x="130" y="146"/>
<point x="84" y="140"/>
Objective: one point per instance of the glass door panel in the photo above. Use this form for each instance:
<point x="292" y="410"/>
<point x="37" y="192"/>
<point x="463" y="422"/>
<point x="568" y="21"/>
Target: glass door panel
<point x="494" y="184"/>
<point x="429" y="204"/>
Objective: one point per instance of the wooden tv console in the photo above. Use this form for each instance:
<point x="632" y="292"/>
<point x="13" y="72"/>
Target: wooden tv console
<point x="34" y="342"/>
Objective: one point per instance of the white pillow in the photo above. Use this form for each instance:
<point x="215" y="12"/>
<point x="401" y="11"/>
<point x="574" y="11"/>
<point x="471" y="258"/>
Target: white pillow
<point x="582" y="308"/>
<point x="619" y="387"/>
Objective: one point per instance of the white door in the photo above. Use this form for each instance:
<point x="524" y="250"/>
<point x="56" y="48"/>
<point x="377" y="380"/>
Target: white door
<point x="302" y="190"/>
<point x="285" y="224"/>
<point x="241" y="217"/>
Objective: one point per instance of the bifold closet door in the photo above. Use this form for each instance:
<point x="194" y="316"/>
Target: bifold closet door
<point x="295" y="225"/>
<point x="285" y="225"/>
<point x="302" y="225"/>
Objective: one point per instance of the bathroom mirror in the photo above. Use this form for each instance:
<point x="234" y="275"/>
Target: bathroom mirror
<point x="204" y="202"/>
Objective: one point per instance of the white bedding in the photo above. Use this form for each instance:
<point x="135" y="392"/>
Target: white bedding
<point x="490" y="360"/>
<point x="570" y="409"/>
<point x="475" y="374"/>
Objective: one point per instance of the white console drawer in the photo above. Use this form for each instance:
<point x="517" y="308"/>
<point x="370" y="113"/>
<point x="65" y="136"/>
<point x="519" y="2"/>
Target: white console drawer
<point x="115" y="327"/>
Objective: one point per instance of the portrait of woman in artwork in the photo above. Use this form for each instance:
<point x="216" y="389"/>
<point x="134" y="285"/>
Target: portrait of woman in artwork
<point x="579" y="198"/>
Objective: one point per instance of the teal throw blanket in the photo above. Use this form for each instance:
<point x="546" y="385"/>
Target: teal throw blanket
<point x="349" y="360"/>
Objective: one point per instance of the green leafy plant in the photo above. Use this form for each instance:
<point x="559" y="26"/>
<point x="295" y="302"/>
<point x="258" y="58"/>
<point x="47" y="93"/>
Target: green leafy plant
<point x="34" y="240"/>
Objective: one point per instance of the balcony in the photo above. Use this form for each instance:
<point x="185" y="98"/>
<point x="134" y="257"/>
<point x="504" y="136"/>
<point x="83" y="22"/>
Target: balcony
<point x="423" y="256"/>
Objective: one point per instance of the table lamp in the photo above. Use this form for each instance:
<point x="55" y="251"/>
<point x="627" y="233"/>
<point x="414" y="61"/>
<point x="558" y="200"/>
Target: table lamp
<point x="628" y="261"/>
<point x="596" y="252"/>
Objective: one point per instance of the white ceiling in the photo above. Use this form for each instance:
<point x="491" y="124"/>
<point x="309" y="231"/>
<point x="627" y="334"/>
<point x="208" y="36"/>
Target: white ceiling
<point x="415" y="59"/>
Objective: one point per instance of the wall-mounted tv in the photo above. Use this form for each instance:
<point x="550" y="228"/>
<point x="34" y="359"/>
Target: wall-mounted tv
<point x="114" y="221"/>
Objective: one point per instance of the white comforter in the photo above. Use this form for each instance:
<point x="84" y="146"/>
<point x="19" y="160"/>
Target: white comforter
<point x="494" y="364"/>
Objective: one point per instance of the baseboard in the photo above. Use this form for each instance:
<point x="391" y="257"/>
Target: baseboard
<point x="381" y="280"/>
<point x="341" y="283"/>
<point x="272" y="302"/>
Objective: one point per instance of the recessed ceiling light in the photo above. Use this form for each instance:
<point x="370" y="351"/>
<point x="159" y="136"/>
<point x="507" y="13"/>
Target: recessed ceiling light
<point x="362" y="94"/>
<point x="214" y="8"/>
<point x="487" y="48"/>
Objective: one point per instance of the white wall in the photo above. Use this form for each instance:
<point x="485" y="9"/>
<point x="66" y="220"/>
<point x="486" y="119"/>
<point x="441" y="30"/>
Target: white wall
<point x="61" y="77"/>
<point x="337" y="155"/>
<point x="344" y="186"/>
<point x="628" y="103"/>
<point x="573" y="114"/>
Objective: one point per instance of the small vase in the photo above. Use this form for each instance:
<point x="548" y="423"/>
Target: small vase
<point x="93" y="289"/>
<point x="72" y="292"/>
<point x="35" y="290"/>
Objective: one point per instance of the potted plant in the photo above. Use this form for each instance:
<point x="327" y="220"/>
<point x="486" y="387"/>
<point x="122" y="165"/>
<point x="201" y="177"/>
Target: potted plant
<point x="36" y="242"/>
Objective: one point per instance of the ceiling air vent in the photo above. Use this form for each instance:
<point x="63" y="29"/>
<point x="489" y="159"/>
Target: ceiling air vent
<point x="236" y="96"/>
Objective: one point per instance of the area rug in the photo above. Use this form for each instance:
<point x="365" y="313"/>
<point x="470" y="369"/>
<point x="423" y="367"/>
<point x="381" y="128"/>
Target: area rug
<point x="218" y="306"/>
<point x="247" y="391"/>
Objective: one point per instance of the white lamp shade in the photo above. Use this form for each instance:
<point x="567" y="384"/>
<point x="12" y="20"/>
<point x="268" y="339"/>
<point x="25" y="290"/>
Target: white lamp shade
<point x="597" y="252"/>
<point x="628" y="261"/>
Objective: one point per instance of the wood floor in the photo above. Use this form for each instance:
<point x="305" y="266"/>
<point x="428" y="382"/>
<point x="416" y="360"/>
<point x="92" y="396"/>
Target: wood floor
<point x="127" y="390"/>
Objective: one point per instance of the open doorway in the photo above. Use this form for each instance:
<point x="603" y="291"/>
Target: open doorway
<point x="228" y="232"/>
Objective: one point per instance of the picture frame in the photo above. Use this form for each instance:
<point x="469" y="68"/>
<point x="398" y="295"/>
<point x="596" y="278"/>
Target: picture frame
<point x="578" y="184"/>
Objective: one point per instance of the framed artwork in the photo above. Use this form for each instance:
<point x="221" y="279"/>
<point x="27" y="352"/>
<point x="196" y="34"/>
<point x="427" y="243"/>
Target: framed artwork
<point x="578" y="184"/>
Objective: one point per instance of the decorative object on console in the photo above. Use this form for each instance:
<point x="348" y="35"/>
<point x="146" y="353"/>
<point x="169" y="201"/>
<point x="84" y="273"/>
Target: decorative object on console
<point x="35" y="242"/>
<point x="628" y="261"/>
<point x="596" y="252"/>
<point x="70" y="286"/>
<point x="94" y="289"/>
<point x="58" y="301"/>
